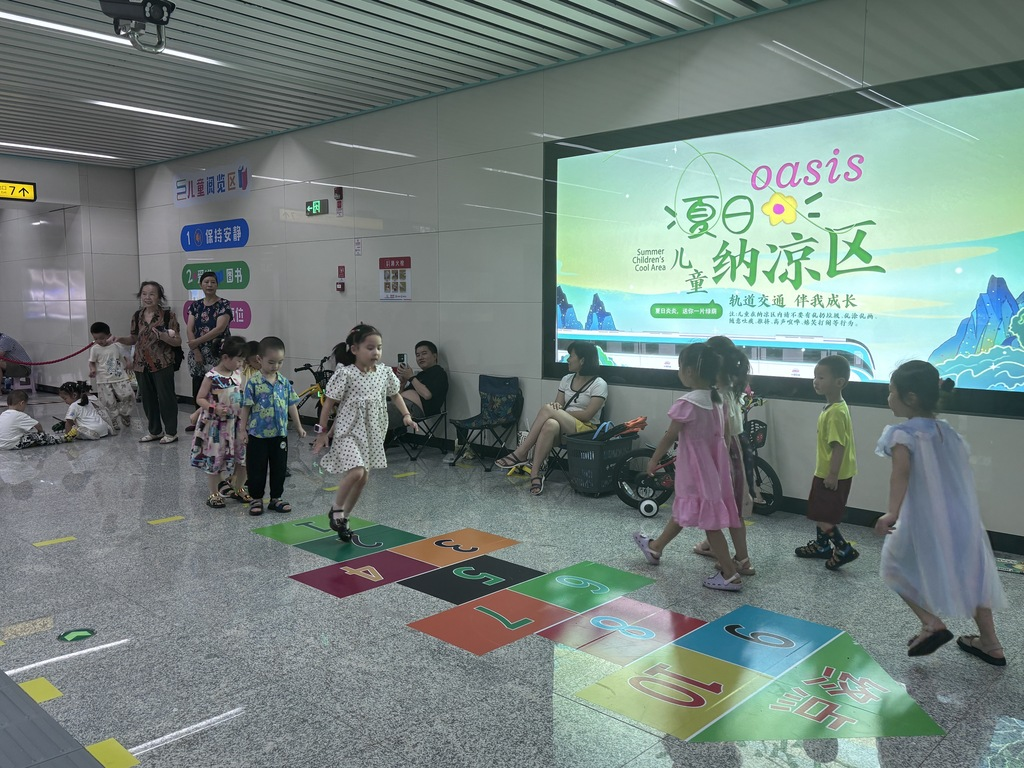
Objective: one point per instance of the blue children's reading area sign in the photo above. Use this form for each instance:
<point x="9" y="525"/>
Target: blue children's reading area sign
<point x="233" y="233"/>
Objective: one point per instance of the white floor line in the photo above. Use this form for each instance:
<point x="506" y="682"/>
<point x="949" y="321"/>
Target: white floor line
<point x="67" y="656"/>
<point x="171" y="737"/>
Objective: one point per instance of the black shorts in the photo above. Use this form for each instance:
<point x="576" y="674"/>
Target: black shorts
<point x="825" y="506"/>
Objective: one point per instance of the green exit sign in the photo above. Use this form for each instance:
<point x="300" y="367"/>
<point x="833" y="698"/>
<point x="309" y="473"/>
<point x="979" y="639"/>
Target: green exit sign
<point x="318" y="207"/>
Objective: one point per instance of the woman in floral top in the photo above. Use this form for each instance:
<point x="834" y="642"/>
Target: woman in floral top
<point x="207" y="328"/>
<point x="155" y="333"/>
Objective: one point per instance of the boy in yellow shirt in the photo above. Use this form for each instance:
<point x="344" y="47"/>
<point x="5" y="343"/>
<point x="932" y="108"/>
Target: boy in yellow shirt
<point x="835" y="466"/>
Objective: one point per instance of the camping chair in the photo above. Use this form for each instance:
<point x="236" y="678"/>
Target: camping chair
<point x="414" y="444"/>
<point x="501" y="404"/>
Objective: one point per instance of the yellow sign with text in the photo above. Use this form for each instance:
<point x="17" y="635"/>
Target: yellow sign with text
<point x="18" y="190"/>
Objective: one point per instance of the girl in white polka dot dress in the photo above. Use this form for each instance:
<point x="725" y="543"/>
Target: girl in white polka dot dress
<point x="360" y="388"/>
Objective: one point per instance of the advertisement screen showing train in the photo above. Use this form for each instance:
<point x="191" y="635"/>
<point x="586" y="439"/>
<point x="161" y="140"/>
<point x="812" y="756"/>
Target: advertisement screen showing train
<point x="890" y="233"/>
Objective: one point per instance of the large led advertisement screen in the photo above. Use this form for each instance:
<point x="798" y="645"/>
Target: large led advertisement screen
<point x="885" y="235"/>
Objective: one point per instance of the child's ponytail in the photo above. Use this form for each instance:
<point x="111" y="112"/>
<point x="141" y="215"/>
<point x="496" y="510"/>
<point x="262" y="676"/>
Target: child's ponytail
<point x="706" y="363"/>
<point x="76" y="389"/>
<point x="343" y="352"/>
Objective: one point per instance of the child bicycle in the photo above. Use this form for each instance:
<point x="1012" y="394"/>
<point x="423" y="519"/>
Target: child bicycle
<point x="319" y="386"/>
<point x="648" y="492"/>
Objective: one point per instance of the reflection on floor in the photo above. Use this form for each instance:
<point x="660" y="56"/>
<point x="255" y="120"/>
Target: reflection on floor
<point x="222" y="660"/>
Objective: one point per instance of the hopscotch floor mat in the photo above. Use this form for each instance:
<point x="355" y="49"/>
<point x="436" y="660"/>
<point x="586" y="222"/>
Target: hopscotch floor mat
<point x="751" y="675"/>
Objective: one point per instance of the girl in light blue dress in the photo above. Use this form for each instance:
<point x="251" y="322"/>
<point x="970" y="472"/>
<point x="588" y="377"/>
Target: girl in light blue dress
<point x="938" y="557"/>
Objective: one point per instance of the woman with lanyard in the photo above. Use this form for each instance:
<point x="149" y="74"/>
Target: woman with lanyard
<point x="155" y="334"/>
<point x="577" y="409"/>
<point x="207" y="328"/>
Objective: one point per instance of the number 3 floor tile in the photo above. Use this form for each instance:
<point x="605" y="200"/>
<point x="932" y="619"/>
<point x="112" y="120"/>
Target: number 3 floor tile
<point x="454" y="547"/>
<point x="362" y="574"/>
<point x="492" y="621"/>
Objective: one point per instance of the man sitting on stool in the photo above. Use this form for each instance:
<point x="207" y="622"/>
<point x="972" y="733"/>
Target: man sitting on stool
<point x="12" y="350"/>
<point x="424" y="392"/>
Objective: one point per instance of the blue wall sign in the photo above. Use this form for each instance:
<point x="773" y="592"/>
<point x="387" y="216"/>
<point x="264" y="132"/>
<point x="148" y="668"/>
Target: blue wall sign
<point x="213" y="235"/>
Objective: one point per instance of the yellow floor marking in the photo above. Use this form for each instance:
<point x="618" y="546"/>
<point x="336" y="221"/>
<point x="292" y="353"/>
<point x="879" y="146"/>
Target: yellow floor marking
<point x="112" y="754"/>
<point x="40" y="689"/>
<point x="1" y="642"/>
<point x="406" y="474"/>
<point x="166" y="520"/>
<point x="26" y="628"/>
<point x="748" y="522"/>
<point x="53" y="541"/>
<point x="332" y="488"/>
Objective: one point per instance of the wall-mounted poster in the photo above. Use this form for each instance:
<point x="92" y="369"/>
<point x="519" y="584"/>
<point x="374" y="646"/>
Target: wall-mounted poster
<point x="396" y="278"/>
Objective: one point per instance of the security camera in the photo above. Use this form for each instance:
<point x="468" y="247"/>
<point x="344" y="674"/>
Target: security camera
<point x="131" y="16"/>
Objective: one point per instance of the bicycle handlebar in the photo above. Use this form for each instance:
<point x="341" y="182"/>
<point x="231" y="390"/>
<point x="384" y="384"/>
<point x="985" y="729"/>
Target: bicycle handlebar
<point x="306" y="367"/>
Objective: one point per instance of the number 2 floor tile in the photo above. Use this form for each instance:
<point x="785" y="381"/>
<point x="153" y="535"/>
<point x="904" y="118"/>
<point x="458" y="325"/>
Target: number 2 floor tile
<point x="362" y="574"/>
<point x="372" y="538"/>
<point x="492" y="621"/>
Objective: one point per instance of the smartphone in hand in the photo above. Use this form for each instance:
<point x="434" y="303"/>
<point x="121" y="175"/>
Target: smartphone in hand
<point x="401" y="359"/>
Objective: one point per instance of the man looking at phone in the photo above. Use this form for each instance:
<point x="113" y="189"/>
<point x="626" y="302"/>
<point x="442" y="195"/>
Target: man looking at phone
<point x="424" y="392"/>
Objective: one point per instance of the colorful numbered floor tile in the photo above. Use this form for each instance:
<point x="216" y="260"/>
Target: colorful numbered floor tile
<point x="454" y="547"/>
<point x="758" y="639"/>
<point x="622" y="631"/>
<point x="308" y="529"/>
<point x="362" y="574"/>
<point x="492" y="621"/>
<point x="838" y="692"/>
<point x="471" y="579"/>
<point x="583" y="586"/>
<point x="373" y="538"/>
<point x="675" y="690"/>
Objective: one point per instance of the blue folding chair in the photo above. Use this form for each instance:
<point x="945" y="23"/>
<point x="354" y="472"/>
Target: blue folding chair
<point x="501" y="404"/>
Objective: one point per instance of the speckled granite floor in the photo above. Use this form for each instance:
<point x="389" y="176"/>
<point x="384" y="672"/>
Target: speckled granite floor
<point x="306" y="680"/>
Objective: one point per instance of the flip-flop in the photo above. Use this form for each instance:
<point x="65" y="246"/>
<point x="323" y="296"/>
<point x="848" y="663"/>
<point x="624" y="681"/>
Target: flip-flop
<point x="931" y="643"/>
<point x="966" y="643"/>
<point x="644" y="542"/>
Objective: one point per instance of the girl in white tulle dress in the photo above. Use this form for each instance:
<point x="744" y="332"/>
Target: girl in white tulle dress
<point x="937" y="557"/>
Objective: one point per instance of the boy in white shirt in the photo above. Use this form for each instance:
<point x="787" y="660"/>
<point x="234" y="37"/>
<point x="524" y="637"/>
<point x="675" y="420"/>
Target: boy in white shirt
<point x="18" y="429"/>
<point x="113" y="384"/>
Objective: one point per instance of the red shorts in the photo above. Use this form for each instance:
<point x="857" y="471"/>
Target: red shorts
<point x="825" y="506"/>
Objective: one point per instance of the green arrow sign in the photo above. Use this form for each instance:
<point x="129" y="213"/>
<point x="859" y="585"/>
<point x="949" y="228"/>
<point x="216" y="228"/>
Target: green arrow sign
<point x="73" y="635"/>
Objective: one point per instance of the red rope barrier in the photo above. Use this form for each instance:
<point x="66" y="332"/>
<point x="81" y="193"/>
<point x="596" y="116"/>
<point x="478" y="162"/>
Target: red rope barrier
<point x="47" y="362"/>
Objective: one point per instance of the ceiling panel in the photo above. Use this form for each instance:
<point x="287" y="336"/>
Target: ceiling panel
<point x="286" y="64"/>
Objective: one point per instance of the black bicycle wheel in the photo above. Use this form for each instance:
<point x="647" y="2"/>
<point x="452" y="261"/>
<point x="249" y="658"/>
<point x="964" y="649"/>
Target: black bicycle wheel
<point x="767" y="481"/>
<point x="632" y="484"/>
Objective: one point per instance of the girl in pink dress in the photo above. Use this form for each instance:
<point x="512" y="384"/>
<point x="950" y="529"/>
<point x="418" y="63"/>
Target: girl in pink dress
<point x="704" y="494"/>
